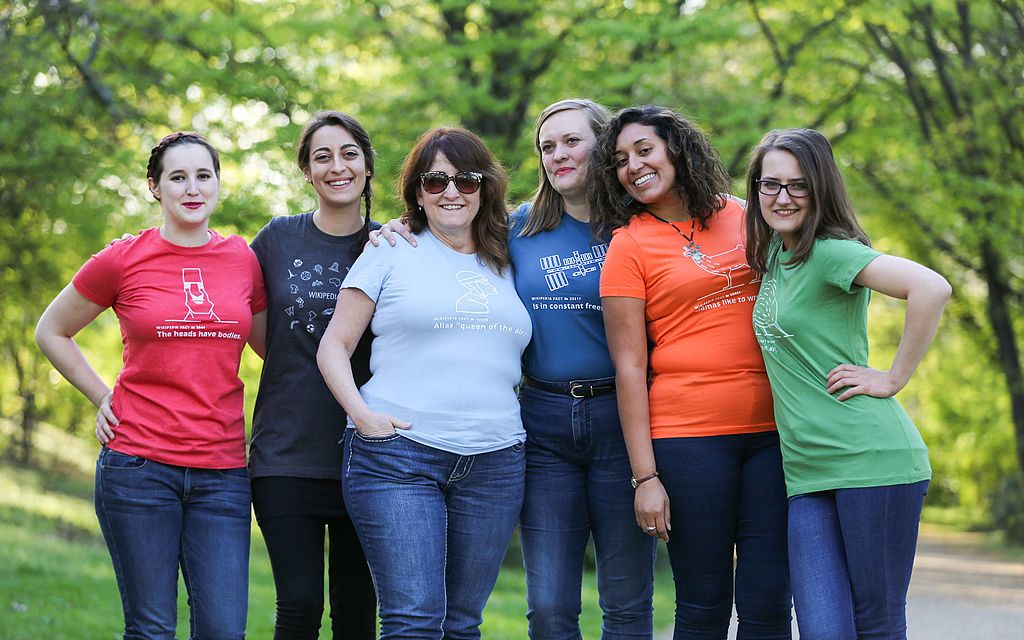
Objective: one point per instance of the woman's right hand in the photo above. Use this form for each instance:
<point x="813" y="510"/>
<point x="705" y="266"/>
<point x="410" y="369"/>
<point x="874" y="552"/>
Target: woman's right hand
<point x="389" y="229"/>
<point x="652" y="509"/>
<point x="378" y="425"/>
<point x="106" y="420"/>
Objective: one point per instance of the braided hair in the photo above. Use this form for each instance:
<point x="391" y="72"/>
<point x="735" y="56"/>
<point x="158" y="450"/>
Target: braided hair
<point x="329" y="118"/>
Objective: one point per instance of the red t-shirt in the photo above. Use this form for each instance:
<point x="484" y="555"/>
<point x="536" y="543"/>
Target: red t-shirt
<point x="707" y="376"/>
<point x="185" y="314"/>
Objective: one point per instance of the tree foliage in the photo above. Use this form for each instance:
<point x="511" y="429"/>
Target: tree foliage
<point x="922" y="100"/>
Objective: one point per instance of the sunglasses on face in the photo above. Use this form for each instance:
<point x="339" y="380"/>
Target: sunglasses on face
<point x="437" y="181"/>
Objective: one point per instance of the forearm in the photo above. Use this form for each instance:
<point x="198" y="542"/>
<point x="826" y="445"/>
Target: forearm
<point x="65" y="316"/>
<point x="924" y="311"/>
<point x="70" y="362"/>
<point x="334" y="360"/>
<point x="634" y="414"/>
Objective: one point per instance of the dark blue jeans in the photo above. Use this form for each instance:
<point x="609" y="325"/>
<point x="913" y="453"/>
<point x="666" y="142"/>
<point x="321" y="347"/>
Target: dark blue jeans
<point x="157" y="517"/>
<point x="434" y="527"/>
<point x="851" y="552"/>
<point x="577" y="484"/>
<point x="727" y="495"/>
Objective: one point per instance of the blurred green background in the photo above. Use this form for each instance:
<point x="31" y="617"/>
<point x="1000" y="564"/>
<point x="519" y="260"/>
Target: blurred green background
<point x="923" y="101"/>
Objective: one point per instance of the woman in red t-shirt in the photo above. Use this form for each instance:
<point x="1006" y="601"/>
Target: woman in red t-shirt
<point x="171" y="484"/>
<point x="693" y="395"/>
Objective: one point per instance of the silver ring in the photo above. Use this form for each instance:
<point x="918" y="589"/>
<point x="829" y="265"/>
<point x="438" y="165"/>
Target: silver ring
<point x="652" y="528"/>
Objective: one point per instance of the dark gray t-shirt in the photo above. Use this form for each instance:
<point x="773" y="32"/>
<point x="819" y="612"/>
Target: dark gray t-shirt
<point x="297" y="424"/>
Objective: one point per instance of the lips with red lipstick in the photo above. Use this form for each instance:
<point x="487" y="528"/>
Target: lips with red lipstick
<point x="192" y="205"/>
<point x="564" y="171"/>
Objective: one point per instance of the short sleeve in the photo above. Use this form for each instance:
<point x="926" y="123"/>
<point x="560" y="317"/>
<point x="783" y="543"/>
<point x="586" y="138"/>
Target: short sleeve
<point x="370" y="270"/>
<point x="623" y="272"/>
<point x="99" y="279"/>
<point x="839" y="261"/>
<point x="260" y="244"/>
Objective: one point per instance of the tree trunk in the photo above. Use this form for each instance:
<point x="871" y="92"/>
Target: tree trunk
<point x="997" y="308"/>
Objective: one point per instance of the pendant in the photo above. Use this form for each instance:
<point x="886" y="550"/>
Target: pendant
<point x="693" y="251"/>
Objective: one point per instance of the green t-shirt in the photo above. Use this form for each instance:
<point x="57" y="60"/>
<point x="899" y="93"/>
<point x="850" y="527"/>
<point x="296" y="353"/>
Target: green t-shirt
<point x="808" y="319"/>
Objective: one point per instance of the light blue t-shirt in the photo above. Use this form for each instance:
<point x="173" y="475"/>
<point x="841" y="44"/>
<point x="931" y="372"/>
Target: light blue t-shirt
<point x="449" y="337"/>
<point x="558" y="274"/>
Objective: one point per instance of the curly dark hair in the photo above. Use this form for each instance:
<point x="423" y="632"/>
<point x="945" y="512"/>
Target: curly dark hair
<point x="362" y="138"/>
<point x="467" y="152"/>
<point x="155" y="166"/>
<point x="701" y="178"/>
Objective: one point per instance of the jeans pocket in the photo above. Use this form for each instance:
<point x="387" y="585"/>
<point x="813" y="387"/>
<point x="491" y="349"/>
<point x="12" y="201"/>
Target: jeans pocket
<point x="110" y="459"/>
<point x="385" y="438"/>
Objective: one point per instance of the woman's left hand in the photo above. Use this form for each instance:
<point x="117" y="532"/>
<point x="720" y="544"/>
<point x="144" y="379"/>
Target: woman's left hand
<point x="862" y="381"/>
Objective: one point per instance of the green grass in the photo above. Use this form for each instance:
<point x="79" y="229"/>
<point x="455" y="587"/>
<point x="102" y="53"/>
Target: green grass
<point x="56" y="581"/>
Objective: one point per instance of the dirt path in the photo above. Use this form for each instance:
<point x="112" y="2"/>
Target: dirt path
<point x="962" y="593"/>
<point x="959" y="591"/>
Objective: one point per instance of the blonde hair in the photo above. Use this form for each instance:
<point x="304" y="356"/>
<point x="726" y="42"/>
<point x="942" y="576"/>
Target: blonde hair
<point x="547" y="205"/>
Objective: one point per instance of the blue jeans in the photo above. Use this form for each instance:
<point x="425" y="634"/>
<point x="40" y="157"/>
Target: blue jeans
<point x="434" y="526"/>
<point x="727" y="495"/>
<point x="851" y="552"/>
<point x="577" y="484"/>
<point x="157" y="517"/>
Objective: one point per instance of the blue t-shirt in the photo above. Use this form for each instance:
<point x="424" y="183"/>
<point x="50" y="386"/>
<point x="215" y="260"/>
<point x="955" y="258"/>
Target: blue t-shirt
<point x="449" y="336"/>
<point x="557" y="276"/>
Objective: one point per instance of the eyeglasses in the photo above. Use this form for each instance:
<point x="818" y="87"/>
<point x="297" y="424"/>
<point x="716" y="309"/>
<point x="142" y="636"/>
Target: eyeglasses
<point x="794" y="189"/>
<point x="465" y="181"/>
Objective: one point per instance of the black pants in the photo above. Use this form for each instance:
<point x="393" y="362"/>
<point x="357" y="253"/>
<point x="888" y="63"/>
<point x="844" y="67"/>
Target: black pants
<point x="295" y="542"/>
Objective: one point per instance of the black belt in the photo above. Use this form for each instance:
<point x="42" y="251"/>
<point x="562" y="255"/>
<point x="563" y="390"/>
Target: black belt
<point x="574" y="388"/>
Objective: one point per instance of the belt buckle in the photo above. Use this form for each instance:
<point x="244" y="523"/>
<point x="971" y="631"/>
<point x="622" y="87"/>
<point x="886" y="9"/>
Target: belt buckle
<point x="573" y="386"/>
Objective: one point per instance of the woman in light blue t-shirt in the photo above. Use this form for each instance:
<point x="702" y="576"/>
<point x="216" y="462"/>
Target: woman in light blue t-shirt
<point x="433" y="479"/>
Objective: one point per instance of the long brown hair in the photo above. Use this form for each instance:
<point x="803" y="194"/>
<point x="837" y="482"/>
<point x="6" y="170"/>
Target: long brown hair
<point x="467" y="152"/>
<point x="830" y="214"/>
<point x="701" y="178"/>
<point x="348" y="123"/>
<point x="547" y="204"/>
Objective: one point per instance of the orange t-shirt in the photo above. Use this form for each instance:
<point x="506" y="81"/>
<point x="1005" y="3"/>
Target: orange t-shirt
<point x="707" y="376"/>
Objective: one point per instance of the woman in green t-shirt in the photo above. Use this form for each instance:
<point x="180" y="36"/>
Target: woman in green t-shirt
<point x="856" y="468"/>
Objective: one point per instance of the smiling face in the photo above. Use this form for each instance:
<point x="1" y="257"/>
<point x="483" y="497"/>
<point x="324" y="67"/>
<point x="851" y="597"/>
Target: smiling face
<point x="450" y="212"/>
<point x="646" y="171"/>
<point x="188" y="187"/>
<point x="565" y="141"/>
<point x="337" y="168"/>
<point x="782" y="212"/>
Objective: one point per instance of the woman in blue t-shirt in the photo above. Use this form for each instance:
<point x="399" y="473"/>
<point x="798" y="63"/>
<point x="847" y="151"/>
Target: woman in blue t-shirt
<point x="856" y="468"/>
<point x="577" y="468"/>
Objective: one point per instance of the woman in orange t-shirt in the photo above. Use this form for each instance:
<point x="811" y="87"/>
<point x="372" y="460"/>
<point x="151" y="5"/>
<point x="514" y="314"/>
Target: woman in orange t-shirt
<point x="694" y="398"/>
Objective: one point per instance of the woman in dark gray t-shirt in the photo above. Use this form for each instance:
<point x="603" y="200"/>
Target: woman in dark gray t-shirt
<point x="296" y="451"/>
